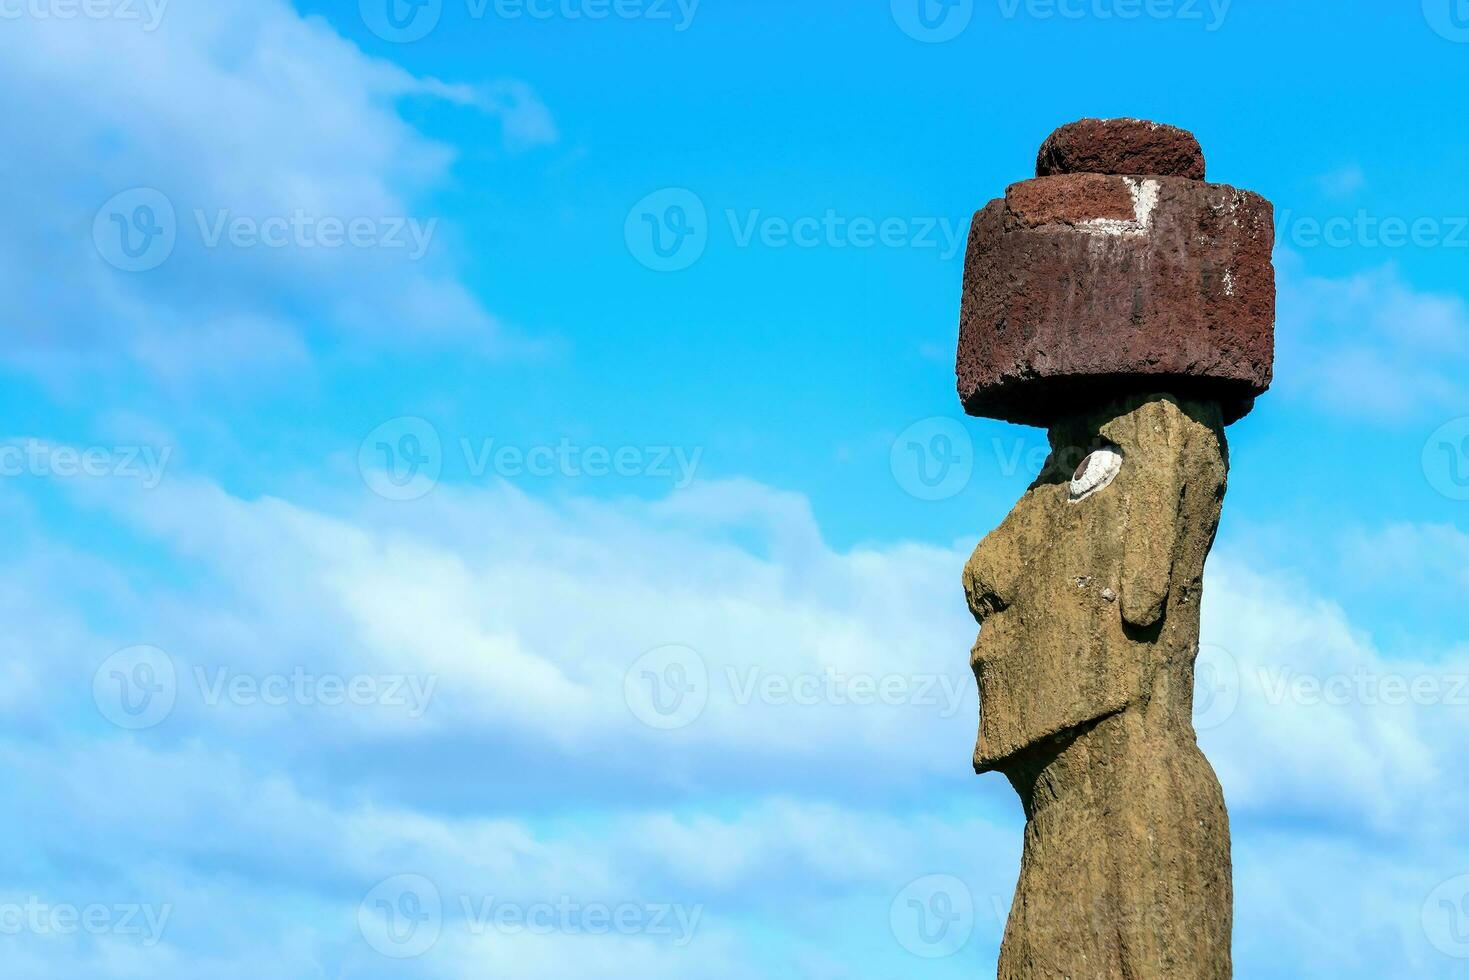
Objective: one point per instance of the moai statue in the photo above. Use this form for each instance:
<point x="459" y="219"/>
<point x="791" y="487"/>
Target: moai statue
<point x="1129" y="307"/>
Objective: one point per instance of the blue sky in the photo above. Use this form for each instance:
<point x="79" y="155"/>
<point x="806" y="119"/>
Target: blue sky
<point x="365" y="456"/>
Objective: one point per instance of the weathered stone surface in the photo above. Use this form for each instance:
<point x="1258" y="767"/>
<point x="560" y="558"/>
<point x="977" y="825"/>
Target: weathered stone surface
<point x="1090" y="626"/>
<point x="1081" y="287"/>
<point x="1072" y="199"/>
<point x="1121" y="146"/>
<point x="1128" y="306"/>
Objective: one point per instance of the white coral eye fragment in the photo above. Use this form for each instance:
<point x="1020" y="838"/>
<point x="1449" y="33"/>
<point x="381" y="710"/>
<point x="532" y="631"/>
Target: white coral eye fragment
<point x="1095" y="473"/>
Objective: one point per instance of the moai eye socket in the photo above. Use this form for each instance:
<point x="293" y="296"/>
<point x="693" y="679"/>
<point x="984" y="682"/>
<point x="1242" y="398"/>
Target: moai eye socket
<point x="1095" y="473"/>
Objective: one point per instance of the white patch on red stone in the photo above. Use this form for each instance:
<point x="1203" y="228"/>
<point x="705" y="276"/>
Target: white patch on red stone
<point x="1144" y="202"/>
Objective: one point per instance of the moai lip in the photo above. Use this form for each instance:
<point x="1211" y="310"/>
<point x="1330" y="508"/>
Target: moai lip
<point x="1117" y="270"/>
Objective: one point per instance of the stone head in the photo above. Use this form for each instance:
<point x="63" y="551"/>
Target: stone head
<point x="1088" y="592"/>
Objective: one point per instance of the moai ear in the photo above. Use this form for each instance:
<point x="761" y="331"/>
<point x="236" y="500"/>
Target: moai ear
<point x="1150" y="513"/>
<point x="1151" y="506"/>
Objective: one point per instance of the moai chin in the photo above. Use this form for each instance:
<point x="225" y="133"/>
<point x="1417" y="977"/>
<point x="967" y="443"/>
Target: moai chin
<point x="1127" y="306"/>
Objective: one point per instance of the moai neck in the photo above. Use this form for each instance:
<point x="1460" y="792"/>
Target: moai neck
<point x="1126" y="871"/>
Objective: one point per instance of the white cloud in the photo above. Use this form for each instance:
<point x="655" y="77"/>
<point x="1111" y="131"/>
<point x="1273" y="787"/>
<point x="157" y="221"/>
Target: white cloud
<point x="1328" y="730"/>
<point x="526" y="120"/>
<point x="1370" y="346"/>
<point x="793" y="825"/>
<point x="240" y="109"/>
<point x="1425" y="558"/>
<point x="523" y="612"/>
<point x="1343" y="181"/>
<point x="529" y="615"/>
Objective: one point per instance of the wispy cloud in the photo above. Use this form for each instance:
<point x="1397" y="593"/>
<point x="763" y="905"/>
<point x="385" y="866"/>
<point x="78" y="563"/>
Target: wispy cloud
<point x="1344" y="181"/>
<point x="535" y="772"/>
<point x="265" y="190"/>
<point x="1370" y="345"/>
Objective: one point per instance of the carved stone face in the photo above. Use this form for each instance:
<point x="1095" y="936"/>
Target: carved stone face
<point x="1088" y="592"/>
